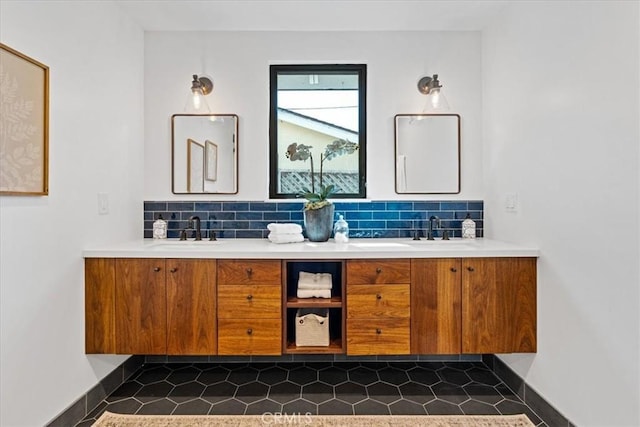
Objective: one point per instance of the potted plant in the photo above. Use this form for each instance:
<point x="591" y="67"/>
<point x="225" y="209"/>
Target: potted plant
<point x="318" y="210"/>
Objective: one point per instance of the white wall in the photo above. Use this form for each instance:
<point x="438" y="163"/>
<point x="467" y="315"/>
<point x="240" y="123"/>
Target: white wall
<point x="95" y="55"/>
<point x="561" y="111"/>
<point x="239" y="64"/>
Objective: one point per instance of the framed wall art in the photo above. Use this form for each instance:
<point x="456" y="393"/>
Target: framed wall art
<point x="211" y="161"/>
<point x="24" y="124"/>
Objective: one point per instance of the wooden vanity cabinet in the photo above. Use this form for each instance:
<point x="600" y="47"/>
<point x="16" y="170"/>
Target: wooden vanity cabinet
<point x="249" y="307"/>
<point x="473" y="305"/>
<point x="150" y="306"/>
<point x="378" y="307"/>
<point x="499" y="312"/>
<point x="436" y="306"/>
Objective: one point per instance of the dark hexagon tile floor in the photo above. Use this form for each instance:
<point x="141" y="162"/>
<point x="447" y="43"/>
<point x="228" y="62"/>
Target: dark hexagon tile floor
<point x="339" y="388"/>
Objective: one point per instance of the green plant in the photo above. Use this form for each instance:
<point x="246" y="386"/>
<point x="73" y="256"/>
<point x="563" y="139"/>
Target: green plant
<point x="295" y="151"/>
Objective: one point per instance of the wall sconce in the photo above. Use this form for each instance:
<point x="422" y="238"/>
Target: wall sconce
<point x="431" y="87"/>
<point x="200" y="87"/>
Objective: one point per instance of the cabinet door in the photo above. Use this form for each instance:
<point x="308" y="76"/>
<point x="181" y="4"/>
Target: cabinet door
<point x="191" y="306"/>
<point x="141" y="306"/>
<point x="99" y="300"/>
<point x="499" y="305"/>
<point x="435" y="306"/>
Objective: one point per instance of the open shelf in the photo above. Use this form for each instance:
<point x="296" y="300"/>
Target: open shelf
<point x="333" y="302"/>
<point x="335" y="347"/>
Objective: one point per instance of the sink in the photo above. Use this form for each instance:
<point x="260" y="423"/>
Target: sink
<point x="378" y="245"/>
<point x="183" y="244"/>
<point x="441" y="244"/>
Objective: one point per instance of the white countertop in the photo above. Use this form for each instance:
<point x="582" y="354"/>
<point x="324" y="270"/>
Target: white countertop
<point x="356" y="248"/>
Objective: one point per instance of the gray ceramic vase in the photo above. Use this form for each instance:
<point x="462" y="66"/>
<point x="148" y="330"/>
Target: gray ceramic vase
<point x="318" y="223"/>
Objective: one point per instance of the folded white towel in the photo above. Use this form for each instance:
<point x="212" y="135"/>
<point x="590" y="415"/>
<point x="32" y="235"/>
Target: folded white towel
<point x="314" y="280"/>
<point x="314" y="293"/>
<point x="285" y="238"/>
<point x="288" y="228"/>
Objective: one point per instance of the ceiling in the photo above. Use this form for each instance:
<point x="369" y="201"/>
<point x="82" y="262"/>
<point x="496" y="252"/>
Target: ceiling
<point x="311" y="15"/>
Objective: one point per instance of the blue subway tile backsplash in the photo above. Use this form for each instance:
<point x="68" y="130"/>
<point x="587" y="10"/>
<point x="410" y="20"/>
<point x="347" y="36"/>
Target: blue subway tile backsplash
<point x="375" y="219"/>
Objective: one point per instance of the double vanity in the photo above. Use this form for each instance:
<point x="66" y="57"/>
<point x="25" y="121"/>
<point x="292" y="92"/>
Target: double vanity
<point x="238" y="297"/>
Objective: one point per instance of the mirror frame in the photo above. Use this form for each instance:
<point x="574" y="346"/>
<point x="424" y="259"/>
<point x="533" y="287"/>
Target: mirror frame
<point x="236" y="161"/>
<point x="361" y="71"/>
<point x="395" y="153"/>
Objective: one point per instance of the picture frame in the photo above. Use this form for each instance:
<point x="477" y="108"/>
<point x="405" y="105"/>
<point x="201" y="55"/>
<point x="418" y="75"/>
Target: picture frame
<point x="24" y="130"/>
<point x="195" y="166"/>
<point x="211" y="161"/>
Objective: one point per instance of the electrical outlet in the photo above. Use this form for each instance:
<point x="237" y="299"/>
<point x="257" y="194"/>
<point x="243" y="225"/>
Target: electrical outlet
<point x="511" y="202"/>
<point x="103" y="203"/>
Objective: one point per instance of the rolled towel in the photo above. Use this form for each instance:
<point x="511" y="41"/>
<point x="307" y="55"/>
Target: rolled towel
<point x="314" y="293"/>
<point x="288" y="228"/>
<point x="285" y="238"/>
<point x="314" y="280"/>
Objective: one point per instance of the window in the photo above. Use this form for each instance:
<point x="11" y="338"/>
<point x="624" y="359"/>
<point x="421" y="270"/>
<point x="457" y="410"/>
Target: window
<point x="317" y="129"/>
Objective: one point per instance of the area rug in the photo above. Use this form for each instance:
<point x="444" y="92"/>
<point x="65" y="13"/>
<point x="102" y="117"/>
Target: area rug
<point x="109" y="419"/>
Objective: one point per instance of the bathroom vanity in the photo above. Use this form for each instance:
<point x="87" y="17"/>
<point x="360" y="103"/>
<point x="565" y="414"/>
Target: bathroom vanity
<point x="238" y="297"/>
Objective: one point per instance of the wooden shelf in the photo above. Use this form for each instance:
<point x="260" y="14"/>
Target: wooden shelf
<point x="335" y="347"/>
<point x="333" y="302"/>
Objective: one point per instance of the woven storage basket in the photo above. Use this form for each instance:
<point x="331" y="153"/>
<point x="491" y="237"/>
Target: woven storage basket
<point x="312" y="327"/>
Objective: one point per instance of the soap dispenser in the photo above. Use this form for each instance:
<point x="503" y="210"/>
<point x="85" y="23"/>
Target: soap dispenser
<point x="468" y="228"/>
<point x="341" y="230"/>
<point x="160" y="228"/>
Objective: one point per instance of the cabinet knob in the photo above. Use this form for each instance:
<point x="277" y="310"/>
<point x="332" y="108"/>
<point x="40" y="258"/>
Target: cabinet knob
<point x="249" y="331"/>
<point x="453" y="269"/>
<point x="378" y="270"/>
<point x="378" y="331"/>
<point x="471" y="269"/>
<point x="249" y="297"/>
<point x="156" y="269"/>
<point x="378" y="296"/>
<point x="249" y="272"/>
<point x="173" y="270"/>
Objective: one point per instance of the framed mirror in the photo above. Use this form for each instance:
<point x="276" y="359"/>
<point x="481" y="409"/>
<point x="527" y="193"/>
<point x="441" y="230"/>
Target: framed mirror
<point x="317" y="129"/>
<point x="427" y="153"/>
<point x="204" y="153"/>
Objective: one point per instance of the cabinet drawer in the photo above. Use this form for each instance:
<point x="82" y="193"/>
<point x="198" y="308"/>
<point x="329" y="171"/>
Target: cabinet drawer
<point x="251" y="301"/>
<point x="378" y="271"/>
<point x="378" y="301"/>
<point x="250" y="337"/>
<point x="373" y="336"/>
<point x="249" y="272"/>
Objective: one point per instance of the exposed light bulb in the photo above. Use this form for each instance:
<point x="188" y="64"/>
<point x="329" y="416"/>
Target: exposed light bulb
<point x="196" y="102"/>
<point x="436" y="101"/>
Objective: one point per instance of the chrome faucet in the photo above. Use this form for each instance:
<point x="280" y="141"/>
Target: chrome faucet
<point x="432" y="220"/>
<point x="190" y="226"/>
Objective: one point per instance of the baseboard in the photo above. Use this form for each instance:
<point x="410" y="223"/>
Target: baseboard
<point x="86" y="403"/>
<point x="547" y="413"/>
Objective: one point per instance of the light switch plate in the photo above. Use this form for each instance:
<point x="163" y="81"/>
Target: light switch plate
<point x="103" y="203"/>
<point x="511" y="202"/>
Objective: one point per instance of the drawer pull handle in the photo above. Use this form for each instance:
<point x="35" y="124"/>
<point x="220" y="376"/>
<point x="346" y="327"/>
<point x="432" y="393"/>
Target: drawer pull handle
<point x="249" y="272"/>
<point x="378" y="270"/>
<point x="249" y="297"/>
<point x="471" y="269"/>
<point x="453" y="269"/>
<point x="156" y="269"/>
<point x="173" y="270"/>
<point x="378" y="296"/>
<point x="378" y="331"/>
<point x="249" y="331"/>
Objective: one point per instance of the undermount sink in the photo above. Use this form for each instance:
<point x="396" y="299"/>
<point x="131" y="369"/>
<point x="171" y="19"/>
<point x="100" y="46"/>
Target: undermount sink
<point x="378" y="245"/>
<point x="183" y="244"/>
<point x="442" y="243"/>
